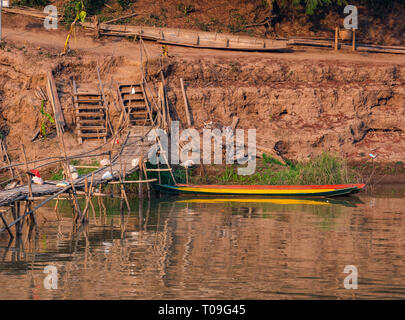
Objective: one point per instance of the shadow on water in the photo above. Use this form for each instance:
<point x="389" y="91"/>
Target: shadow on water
<point x="212" y="247"/>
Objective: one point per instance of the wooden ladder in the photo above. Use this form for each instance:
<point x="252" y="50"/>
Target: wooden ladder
<point x="135" y="104"/>
<point x="90" y="114"/>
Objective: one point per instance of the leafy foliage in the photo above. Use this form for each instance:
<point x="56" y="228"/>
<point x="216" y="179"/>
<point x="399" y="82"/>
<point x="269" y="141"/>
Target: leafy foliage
<point x="46" y="116"/>
<point x="74" y="9"/>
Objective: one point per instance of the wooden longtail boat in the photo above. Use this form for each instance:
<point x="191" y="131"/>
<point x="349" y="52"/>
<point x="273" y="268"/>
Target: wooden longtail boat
<point x="262" y="190"/>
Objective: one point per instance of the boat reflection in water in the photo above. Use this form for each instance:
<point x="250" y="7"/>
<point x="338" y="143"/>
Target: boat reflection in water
<point x="347" y="202"/>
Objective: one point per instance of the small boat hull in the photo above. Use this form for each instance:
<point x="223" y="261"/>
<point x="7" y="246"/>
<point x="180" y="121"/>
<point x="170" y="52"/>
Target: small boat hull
<point x="259" y="190"/>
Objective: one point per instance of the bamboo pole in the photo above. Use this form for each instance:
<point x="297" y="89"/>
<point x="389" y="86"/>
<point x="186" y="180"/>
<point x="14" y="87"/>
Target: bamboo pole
<point x="165" y="158"/>
<point x="28" y="205"/>
<point x="105" y="104"/>
<point x="90" y="195"/>
<point x="96" y="27"/>
<point x="169" y="117"/>
<point x="122" y="187"/>
<point x="19" y="223"/>
<point x="140" y="193"/>
<point x="146" y="177"/>
<point x="336" y="38"/>
<point x="11" y="169"/>
<point x="122" y="17"/>
<point x="27" y="170"/>
<point x="53" y="95"/>
<point x="185" y="102"/>
<point x="354" y="40"/>
<point x="158" y="165"/>
<point x="67" y="170"/>
<point x="6" y="225"/>
<point x="163" y="105"/>
<point x="132" y="181"/>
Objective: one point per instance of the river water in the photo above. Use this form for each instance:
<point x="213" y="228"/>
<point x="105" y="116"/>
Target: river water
<point x="213" y="248"/>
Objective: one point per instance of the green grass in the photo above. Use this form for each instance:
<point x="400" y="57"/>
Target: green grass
<point x="58" y="175"/>
<point x="324" y="169"/>
<point x="270" y="160"/>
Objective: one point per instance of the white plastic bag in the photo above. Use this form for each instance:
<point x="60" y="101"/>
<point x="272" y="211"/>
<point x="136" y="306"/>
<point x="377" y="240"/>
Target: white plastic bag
<point x="107" y="175"/>
<point x="135" y="162"/>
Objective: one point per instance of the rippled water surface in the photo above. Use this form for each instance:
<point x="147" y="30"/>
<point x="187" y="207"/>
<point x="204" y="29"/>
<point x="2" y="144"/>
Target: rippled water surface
<point x="213" y="248"/>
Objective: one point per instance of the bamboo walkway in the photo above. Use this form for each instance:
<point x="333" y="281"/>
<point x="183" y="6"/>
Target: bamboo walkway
<point x="135" y="146"/>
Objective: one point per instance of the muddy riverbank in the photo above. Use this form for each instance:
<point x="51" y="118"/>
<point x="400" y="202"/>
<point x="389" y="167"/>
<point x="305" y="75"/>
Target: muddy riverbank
<point x="300" y="103"/>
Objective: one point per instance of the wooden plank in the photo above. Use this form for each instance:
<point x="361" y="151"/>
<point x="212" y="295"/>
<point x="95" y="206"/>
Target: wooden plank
<point x="90" y="121"/>
<point x="375" y="49"/>
<point x="26" y="12"/>
<point x="95" y="108"/>
<point x="92" y="127"/>
<point x="87" y="94"/>
<point x="89" y="101"/>
<point x="89" y="114"/>
<point x="92" y="135"/>
<point x="138" y="113"/>
<point x="131" y="96"/>
<point x="53" y="94"/>
<point x="133" y="99"/>
<point x="128" y="85"/>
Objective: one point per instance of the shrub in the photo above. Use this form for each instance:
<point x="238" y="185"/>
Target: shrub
<point x="91" y="7"/>
<point x="30" y="3"/>
<point x="124" y="3"/>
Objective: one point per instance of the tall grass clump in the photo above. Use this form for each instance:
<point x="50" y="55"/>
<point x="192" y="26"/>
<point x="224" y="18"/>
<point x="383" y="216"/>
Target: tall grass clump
<point x="323" y="169"/>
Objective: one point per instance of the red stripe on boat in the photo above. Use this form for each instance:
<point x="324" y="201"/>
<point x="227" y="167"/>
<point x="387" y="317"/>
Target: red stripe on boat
<point x="327" y="186"/>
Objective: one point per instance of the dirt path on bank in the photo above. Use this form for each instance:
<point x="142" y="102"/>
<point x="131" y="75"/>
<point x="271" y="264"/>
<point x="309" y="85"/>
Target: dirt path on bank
<point x="27" y="31"/>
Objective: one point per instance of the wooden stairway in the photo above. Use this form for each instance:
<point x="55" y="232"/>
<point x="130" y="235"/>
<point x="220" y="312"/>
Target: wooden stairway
<point x="90" y="114"/>
<point x="135" y="104"/>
